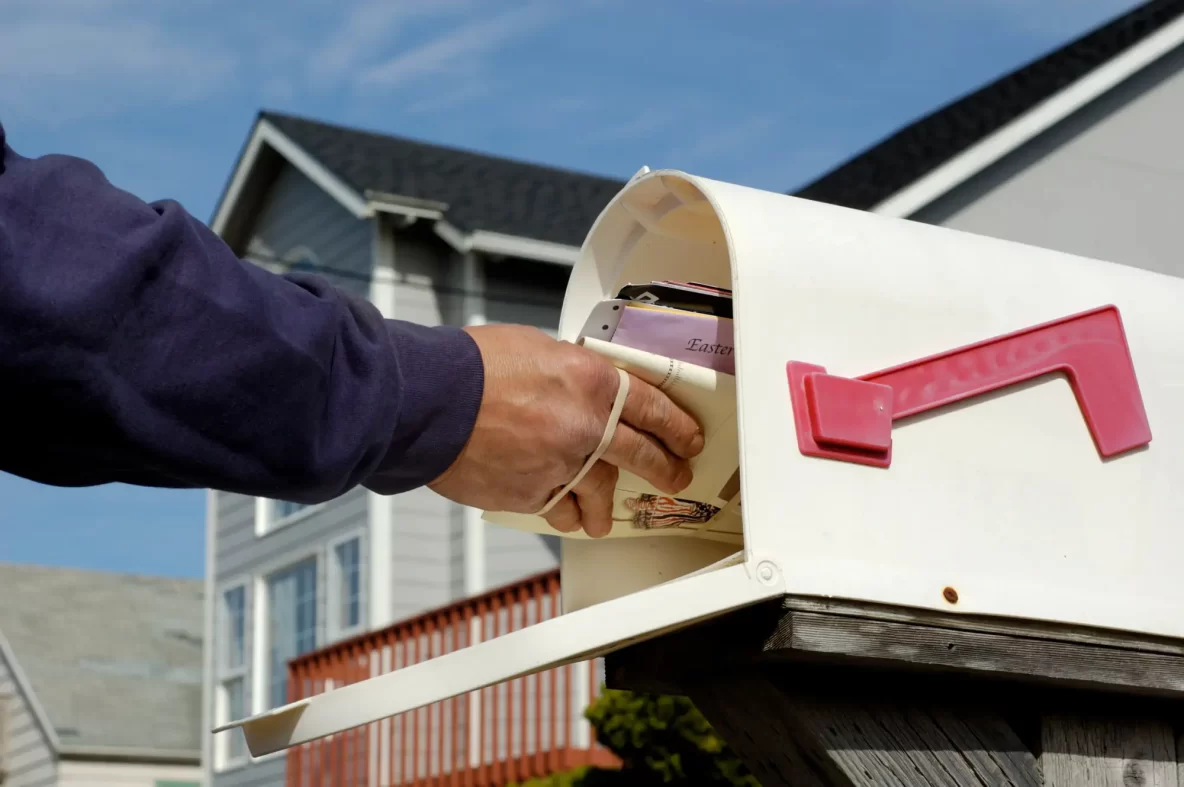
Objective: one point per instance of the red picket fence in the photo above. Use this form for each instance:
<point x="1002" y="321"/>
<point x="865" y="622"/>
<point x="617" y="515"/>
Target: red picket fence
<point x="524" y="728"/>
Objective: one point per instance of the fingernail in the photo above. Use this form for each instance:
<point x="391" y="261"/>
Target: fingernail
<point x="598" y="531"/>
<point x="683" y="479"/>
<point x="696" y="443"/>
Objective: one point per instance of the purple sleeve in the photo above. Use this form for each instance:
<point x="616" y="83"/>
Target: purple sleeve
<point x="135" y="347"/>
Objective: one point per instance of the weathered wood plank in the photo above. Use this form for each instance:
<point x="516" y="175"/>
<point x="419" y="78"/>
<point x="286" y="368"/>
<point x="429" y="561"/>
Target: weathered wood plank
<point x="988" y="625"/>
<point x="749" y="730"/>
<point x="818" y="728"/>
<point x="779" y="630"/>
<point x="994" y="748"/>
<point x="1108" y="752"/>
<point x="1069" y="663"/>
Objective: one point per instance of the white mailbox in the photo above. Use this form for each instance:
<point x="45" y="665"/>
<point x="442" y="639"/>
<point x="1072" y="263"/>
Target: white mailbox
<point x="1004" y="451"/>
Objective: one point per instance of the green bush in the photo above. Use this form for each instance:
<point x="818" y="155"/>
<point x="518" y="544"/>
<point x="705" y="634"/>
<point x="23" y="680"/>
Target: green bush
<point x="660" y="740"/>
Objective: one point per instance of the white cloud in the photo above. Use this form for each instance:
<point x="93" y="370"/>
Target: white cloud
<point x="645" y="123"/>
<point x="458" y="50"/>
<point x="368" y="26"/>
<point x="731" y="138"/>
<point x="463" y="95"/>
<point x="59" y="69"/>
<point x="63" y="60"/>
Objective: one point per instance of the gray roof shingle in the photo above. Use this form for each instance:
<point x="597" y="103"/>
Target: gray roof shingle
<point x="482" y="192"/>
<point x="114" y="659"/>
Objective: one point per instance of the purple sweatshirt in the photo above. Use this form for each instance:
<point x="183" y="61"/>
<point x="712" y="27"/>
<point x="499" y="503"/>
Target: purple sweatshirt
<point x="136" y="347"/>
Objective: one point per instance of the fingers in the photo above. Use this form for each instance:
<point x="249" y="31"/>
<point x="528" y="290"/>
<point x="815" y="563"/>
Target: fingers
<point x="594" y="494"/>
<point x="564" y="516"/>
<point x="589" y="505"/>
<point x="650" y="411"/>
<point x="641" y="454"/>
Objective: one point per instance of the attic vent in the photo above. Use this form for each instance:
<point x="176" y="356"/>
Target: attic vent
<point x="5" y="725"/>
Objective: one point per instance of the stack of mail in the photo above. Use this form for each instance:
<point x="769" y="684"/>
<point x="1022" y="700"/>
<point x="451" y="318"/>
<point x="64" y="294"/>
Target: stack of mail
<point x="677" y="336"/>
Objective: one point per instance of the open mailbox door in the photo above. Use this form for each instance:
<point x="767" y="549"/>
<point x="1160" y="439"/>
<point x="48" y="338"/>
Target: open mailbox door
<point x="972" y="468"/>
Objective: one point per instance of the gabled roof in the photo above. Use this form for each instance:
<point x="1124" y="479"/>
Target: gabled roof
<point x="885" y="169"/>
<point x="113" y="660"/>
<point x="476" y="201"/>
<point x="481" y="192"/>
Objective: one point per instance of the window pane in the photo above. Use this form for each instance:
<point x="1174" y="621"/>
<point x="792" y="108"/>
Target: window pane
<point x="236" y="708"/>
<point x="286" y="508"/>
<point x="234" y="627"/>
<point x="349" y="580"/>
<point x="292" y="602"/>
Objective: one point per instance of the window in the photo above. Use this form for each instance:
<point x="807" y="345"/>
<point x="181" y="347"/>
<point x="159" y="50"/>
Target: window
<point x="234" y="627"/>
<point x="282" y="509"/>
<point x="234" y="707"/>
<point x="345" y="586"/>
<point x="292" y="618"/>
<point x="273" y="514"/>
<point x="231" y="642"/>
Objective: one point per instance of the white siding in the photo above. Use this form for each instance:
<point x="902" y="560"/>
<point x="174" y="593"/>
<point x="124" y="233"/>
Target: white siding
<point x="118" y="774"/>
<point x="1107" y="183"/>
<point x="29" y="761"/>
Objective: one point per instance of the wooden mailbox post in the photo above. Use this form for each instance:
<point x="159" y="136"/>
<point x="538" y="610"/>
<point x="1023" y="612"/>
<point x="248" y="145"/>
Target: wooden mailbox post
<point x="811" y="693"/>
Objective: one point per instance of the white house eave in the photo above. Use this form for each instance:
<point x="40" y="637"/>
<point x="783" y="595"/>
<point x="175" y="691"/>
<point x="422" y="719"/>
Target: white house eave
<point x="506" y="245"/>
<point x="267" y="134"/>
<point x="1036" y="121"/>
<point x="26" y="688"/>
<point x="409" y="207"/>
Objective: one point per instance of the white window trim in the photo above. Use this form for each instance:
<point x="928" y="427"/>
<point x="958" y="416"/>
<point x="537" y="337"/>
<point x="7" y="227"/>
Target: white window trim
<point x="221" y="665"/>
<point x="223" y="762"/>
<point x="334" y="631"/>
<point x="265" y="519"/>
<point x="261" y="663"/>
<point x="225" y="673"/>
<point x="260" y="678"/>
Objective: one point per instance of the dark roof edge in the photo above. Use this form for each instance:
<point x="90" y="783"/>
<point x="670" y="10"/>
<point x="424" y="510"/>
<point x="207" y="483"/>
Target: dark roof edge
<point x="267" y="113"/>
<point x="905" y="156"/>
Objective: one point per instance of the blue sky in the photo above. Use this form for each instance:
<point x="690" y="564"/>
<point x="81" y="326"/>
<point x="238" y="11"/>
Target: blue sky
<point x="161" y="96"/>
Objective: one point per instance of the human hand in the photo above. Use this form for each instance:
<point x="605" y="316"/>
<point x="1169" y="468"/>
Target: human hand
<point x="543" y="413"/>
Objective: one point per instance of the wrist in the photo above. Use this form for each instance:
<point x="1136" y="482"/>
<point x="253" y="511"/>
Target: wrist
<point x="441" y="379"/>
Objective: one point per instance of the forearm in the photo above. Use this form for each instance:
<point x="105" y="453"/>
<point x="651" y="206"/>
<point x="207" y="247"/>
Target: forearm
<point x="135" y="347"/>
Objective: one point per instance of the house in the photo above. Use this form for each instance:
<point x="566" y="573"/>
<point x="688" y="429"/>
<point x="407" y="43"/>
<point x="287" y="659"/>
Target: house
<point x="428" y="234"/>
<point x="1078" y="151"/>
<point x="100" y="679"/>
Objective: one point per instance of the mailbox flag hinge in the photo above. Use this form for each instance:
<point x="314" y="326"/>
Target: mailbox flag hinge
<point x="850" y="419"/>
